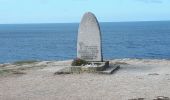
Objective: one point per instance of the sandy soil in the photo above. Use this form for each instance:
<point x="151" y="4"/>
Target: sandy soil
<point x="136" y="78"/>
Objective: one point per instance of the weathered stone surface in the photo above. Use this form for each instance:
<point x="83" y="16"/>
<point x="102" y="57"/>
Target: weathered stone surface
<point x="89" y="39"/>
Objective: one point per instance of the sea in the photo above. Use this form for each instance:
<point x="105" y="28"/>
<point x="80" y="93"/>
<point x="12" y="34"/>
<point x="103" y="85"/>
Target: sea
<point x="57" y="41"/>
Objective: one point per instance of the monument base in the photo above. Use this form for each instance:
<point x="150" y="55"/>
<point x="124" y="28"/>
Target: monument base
<point x="91" y="67"/>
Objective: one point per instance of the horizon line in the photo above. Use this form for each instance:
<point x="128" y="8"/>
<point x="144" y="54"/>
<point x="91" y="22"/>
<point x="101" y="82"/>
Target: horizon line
<point x="79" y="22"/>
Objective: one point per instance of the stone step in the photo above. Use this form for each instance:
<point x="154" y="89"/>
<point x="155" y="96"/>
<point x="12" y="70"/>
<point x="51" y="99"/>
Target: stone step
<point x="110" y="69"/>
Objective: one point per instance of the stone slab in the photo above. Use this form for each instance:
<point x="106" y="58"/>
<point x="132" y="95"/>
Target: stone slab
<point x="80" y="69"/>
<point x="89" y="39"/>
<point x="110" y="69"/>
<point x="103" y="69"/>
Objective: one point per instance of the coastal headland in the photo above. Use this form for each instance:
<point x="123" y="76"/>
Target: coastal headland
<point x="35" y="80"/>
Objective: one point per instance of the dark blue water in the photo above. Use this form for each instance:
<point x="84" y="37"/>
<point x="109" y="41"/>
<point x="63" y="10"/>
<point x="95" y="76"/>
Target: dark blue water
<point x="58" y="41"/>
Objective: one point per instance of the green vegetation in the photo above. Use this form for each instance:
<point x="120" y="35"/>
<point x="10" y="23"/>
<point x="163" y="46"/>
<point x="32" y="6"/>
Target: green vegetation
<point x="17" y="72"/>
<point x="4" y="72"/>
<point x="10" y="71"/>
<point x="78" y="62"/>
<point x="24" y="62"/>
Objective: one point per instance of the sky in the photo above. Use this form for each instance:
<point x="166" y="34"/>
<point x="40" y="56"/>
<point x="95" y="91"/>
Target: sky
<point x="68" y="11"/>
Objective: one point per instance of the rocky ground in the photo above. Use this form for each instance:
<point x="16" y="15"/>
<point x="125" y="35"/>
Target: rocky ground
<point x="137" y="79"/>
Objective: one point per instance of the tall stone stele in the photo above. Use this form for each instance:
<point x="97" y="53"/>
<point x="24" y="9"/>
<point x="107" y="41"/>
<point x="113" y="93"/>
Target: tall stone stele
<point x="89" y="45"/>
<point x="89" y="48"/>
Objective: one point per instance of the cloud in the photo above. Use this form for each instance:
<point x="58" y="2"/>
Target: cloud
<point x="151" y="1"/>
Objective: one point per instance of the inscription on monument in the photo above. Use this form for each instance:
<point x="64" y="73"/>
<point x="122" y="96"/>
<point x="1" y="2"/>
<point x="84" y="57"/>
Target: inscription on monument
<point x="88" y="52"/>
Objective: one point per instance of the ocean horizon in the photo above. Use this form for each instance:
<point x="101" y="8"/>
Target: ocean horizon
<point x="57" y="41"/>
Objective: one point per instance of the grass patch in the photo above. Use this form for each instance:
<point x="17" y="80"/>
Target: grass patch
<point x="3" y="65"/>
<point x="7" y="72"/>
<point x="25" y="62"/>
<point x="4" y="72"/>
<point x="17" y="72"/>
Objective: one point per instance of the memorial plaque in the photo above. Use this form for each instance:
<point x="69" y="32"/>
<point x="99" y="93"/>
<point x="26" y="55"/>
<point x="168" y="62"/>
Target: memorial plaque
<point x="89" y="39"/>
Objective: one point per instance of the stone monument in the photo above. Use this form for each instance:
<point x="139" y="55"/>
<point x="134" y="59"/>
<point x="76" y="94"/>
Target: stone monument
<point x="89" y="49"/>
<point x="89" y="45"/>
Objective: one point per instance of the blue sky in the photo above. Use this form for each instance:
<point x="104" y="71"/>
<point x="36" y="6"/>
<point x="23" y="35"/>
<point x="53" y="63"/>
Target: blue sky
<point x="67" y="11"/>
